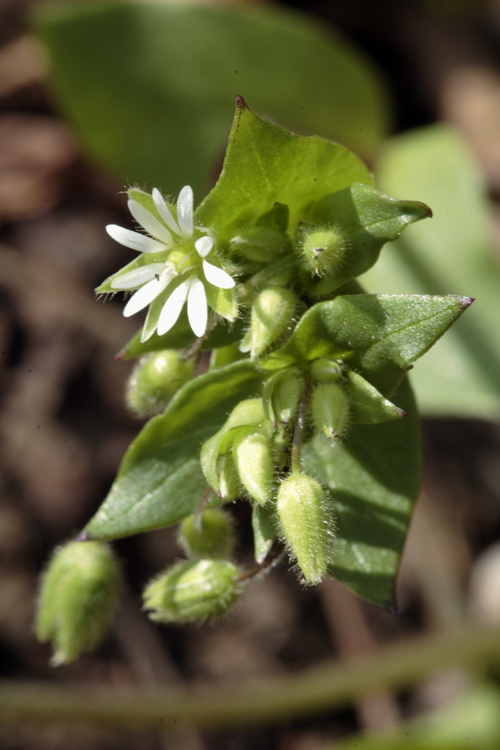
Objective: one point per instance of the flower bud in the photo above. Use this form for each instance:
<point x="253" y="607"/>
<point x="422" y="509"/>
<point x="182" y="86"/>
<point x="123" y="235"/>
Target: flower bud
<point x="272" y="313"/>
<point x="78" y="593"/>
<point x="281" y="395"/>
<point x="304" y="520"/>
<point x="326" y="370"/>
<point x="154" y="381"/>
<point x="229" y="479"/>
<point x="260" y="244"/>
<point x="193" y="591"/>
<point x="254" y="462"/>
<point x="324" y="250"/>
<point x="207" y="535"/>
<point x="330" y="409"/>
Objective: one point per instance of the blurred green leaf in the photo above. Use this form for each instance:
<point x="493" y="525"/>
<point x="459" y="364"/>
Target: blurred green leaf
<point x="160" y="480"/>
<point x="374" y="477"/>
<point x="150" y="87"/>
<point x="452" y="253"/>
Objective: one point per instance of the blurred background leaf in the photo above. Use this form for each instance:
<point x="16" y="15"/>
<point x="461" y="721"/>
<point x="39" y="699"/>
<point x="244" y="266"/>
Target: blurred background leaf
<point x="452" y="253"/>
<point x="151" y="87"/>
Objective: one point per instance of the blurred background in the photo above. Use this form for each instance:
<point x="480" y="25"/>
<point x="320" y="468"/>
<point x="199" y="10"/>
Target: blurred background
<point x="95" y="97"/>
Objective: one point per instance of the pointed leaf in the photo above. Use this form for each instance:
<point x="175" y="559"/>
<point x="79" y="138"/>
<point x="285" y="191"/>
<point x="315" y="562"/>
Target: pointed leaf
<point x="160" y="480"/>
<point x="264" y="530"/>
<point x="366" y="220"/>
<point x="374" y="477"/>
<point x="379" y="335"/>
<point x="266" y="164"/>
<point x="367" y="405"/>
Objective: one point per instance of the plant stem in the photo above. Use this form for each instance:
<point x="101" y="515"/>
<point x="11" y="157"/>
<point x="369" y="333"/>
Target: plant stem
<point x="195" y="347"/>
<point x="299" y="425"/>
<point x="396" y="666"/>
<point x="270" y="560"/>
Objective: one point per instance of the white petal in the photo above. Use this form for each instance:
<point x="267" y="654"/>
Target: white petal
<point x="150" y="223"/>
<point x="172" y="308"/>
<point x="185" y="211"/>
<point x="137" y="277"/>
<point x="197" y="307"/>
<point x="145" y="296"/>
<point x="204" y="245"/>
<point x="165" y="212"/>
<point x="217" y="276"/>
<point x="134" y="240"/>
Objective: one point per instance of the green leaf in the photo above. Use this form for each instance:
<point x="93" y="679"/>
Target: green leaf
<point x="153" y="99"/>
<point x="160" y="480"/>
<point x="452" y="253"/>
<point x="379" y="335"/>
<point x="266" y="164"/>
<point x="367" y="405"/>
<point x="181" y="336"/>
<point x="264" y="530"/>
<point x="374" y="477"/>
<point x="366" y="220"/>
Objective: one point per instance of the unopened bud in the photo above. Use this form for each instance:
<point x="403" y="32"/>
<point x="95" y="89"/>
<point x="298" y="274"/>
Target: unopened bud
<point x="261" y="244"/>
<point x="330" y="409"/>
<point x="193" y="591"/>
<point x="154" y="381"/>
<point x="304" y="520"/>
<point x="326" y="370"/>
<point x="229" y="479"/>
<point x="207" y="535"/>
<point x="281" y="395"/>
<point x="78" y="593"/>
<point x="324" y="250"/>
<point x="254" y="462"/>
<point x="272" y="313"/>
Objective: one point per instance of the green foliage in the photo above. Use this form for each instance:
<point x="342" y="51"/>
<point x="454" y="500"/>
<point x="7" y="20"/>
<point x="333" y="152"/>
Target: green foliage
<point x="153" y="100"/>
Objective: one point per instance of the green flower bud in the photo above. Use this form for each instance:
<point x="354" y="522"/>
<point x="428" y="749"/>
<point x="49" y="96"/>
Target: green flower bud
<point x="281" y="395"/>
<point x="304" y="521"/>
<point x="272" y="313"/>
<point x="229" y="479"/>
<point x="193" y="591"/>
<point x="207" y="535"/>
<point x="324" y="250"/>
<point x="330" y="409"/>
<point x="254" y="462"/>
<point x="326" y="370"/>
<point x="260" y="244"/>
<point x="78" y="593"/>
<point x="154" y="381"/>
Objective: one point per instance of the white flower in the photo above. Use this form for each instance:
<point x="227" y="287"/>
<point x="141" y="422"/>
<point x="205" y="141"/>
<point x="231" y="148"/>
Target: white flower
<point x="190" y="264"/>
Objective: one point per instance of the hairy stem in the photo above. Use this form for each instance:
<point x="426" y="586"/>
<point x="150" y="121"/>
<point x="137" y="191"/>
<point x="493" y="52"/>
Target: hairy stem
<point x="271" y="559"/>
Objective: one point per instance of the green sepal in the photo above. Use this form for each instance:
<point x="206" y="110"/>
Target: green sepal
<point x="160" y="480"/>
<point x="253" y="459"/>
<point x="367" y="405"/>
<point x="143" y="259"/>
<point x="78" y="594"/>
<point x="193" y="591"/>
<point x="366" y="219"/>
<point x="181" y="336"/>
<point x="264" y="530"/>
<point x="378" y="335"/>
<point x="222" y="301"/>
<point x="277" y="217"/>
<point x="207" y="535"/>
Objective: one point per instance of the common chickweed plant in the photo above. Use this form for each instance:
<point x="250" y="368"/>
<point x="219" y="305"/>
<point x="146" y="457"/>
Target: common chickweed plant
<point x="305" y="410"/>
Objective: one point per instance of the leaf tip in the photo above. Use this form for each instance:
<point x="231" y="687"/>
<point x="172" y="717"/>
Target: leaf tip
<point x="465" y="302"/>
<point x="122" y="354"/>
<point x="83" y="536"/>
<point x="402" y="413"/>
<point x="241" y="103"/>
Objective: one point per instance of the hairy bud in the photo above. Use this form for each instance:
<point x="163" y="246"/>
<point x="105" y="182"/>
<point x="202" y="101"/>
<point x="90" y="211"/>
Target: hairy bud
<point x="261" y="244"/>
<point x="326" y="370"/>
<point x="330" y="409"/>
<point x="281" y="395"/>
<point x="303" y="519"/>
<point x="324" y="250"/>
<point x="272" y="313"/>
<point x="154" y="381"/>
<point x="78" y="593"/>
<point x="252" y="455"/>
<point x="207" y="535"/>
<point x="193" y="591"/>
